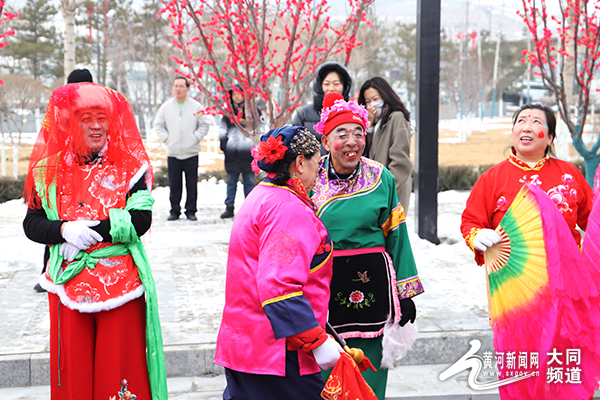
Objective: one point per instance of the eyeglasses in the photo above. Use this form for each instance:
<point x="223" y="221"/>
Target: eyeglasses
<point x="344" y="137"/>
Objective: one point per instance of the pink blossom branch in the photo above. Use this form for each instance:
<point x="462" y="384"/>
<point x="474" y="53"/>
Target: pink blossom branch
<point x="244" y="30"/>
<point x="577" y="33"/>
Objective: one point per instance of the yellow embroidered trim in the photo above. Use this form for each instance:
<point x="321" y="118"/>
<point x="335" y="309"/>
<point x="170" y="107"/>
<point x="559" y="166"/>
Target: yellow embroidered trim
<point x="277" y="186"/>
<point x="401" y="283"/>
<point x="469" y="238"/>
<point x="394" y="219"/>
<point x="281" y="298"/>
<point x="347" y="195"/>
<point x="410" y="287"/>
<point x="268" y="184"/>
<point x="318" y="267"/>
<point x="517" y="162"/>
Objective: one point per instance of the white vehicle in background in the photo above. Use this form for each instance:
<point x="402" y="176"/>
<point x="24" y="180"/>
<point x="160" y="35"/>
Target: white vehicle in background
<point x="527" y="92"/>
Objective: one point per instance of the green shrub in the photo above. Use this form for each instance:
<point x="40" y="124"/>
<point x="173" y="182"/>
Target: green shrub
<point x="219" y="174"/>
<point x="160" y="176"/>
<point x="11" y="188"/>
<point x="459" y="177"/>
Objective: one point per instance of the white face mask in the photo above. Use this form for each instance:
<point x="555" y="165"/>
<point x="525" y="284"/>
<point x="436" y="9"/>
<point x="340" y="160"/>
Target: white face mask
<point x="378" y="107"/>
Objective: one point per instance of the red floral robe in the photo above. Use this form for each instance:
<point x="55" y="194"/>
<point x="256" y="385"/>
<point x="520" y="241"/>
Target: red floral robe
<point x="115" y="280"/>
<point x="496" y="189"/>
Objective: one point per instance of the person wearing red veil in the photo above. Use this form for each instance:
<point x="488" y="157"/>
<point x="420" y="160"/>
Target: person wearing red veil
<point x="88" y="196"/>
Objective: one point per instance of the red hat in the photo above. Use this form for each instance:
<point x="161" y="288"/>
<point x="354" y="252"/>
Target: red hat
<point x="336" y="111"/>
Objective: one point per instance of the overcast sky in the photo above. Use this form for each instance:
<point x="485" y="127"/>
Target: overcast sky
<point x="457" y="15"/>
<point x="393" y="8"/>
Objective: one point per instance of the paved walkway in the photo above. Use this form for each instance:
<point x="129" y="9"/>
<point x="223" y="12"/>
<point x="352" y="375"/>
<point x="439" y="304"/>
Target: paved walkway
<point x="189" y="260"/>
<point x="404" y="383"/>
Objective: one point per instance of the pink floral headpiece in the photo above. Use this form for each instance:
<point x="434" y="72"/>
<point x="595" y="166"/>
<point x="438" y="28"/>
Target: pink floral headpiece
<point x="337" y="111"/>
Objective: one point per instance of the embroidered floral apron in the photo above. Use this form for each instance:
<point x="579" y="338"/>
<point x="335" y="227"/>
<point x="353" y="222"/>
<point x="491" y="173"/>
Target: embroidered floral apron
<point x="114" y="280"/>
<point x="363" y="294"/>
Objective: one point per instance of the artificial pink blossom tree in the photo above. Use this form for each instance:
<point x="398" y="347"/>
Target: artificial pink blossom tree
<point x="575" y="35"/>
<point x="4" y="17"/>
<point x="258" y="45"/>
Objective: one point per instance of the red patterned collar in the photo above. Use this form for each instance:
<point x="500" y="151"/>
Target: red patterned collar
<point x="523" y="165"/>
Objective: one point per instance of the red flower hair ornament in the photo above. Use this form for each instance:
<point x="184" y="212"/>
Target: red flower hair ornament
<point x="279" y="143"/>
<point x="272" y="150"/>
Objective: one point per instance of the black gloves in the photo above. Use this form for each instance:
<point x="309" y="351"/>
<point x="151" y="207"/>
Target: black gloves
<point x="409" y="311"/>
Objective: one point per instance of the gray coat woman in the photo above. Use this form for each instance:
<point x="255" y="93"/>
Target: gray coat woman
<point x="389" y="135"/>
<point x="390" y="145"/>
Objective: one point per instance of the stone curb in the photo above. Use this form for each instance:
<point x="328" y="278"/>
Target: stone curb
<point x="412" y="382"/>
<point x="444" y="347"/>
<point x="34" y="369"/>
<point x="197" y="359"/>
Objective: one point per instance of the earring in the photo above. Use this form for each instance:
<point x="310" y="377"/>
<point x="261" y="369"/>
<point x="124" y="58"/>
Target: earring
<point x="297" y="183"/>
<point x="299" y="187"/>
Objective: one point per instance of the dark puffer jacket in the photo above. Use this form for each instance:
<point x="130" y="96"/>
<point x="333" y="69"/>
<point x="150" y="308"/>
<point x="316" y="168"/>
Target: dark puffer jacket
<point x="235" y="145"/>
<point x="310" y="114"/>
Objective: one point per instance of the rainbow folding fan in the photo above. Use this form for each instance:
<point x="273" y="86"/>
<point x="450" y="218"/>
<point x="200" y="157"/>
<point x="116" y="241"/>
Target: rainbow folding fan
<point x="591" y="240"/>
<point x="516" y="267"/>
<point x="543" y="297"/>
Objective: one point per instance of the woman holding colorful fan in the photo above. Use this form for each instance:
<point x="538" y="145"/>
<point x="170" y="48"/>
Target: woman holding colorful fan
<point x="521" y="220"/>
<point x="533" y="132"/>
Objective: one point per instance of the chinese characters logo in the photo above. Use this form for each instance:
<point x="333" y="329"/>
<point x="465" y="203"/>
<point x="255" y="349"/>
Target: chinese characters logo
<point x="515" y="366"/>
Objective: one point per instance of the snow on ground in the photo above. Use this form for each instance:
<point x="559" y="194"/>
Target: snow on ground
<point x="211" y="194"/>
<point x="455" y="293"/>
<point x="455" y="297"/>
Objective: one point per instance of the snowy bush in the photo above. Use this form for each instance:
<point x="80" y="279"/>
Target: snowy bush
<point x="11" y="188"/>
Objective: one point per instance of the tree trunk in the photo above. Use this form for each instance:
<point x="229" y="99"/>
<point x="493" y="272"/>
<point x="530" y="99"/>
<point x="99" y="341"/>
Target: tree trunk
<point x="69" y="17"/>
<point x="591" y="158"/>
<point x="591" y="165"/>
<point x="3" y="155"/>
<point x="142" y="124"/>
<point x="15" y="161"/>
<point x="562" y="140"/>
<point x="68" y="8"/>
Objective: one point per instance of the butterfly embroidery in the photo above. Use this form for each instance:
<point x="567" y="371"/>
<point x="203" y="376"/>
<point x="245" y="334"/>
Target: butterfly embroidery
<point x="362" y="277"/>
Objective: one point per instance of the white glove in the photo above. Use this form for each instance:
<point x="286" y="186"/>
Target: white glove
<point x="68" y="251"/>
<point x="328" y="353"/>
<point x="486" y="238"/>
<point x="80" y="235"/>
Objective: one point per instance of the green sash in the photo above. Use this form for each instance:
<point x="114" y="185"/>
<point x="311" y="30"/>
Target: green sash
<point x="123" y="231"/>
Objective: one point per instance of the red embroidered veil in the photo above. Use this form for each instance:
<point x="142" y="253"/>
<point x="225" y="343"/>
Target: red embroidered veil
<point x="60" y="149"/>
